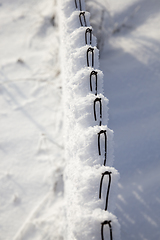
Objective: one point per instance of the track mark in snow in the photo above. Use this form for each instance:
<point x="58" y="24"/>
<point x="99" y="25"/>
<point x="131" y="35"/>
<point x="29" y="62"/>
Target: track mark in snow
<point x="41" y="222"/>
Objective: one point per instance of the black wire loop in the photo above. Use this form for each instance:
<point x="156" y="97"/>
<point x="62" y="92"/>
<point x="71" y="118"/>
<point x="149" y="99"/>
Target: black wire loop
<point x="95" y="115"/>
<point x="92" y="51"/>
<point x="93" y="73"/>
<point x="84" y="18"/>
<point x="110" y="228"/>
<point x="99" y="147"/>
<point x="80" y="5"/>
<point x="88" y="32"/>
<point x="108" y="189"/>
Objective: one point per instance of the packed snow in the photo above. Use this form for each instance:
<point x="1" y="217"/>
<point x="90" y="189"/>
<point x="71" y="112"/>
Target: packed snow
<point x="84" y="119"/>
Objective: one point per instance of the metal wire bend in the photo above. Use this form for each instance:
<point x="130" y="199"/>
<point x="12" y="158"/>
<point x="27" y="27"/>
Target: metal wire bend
<point x="88" y="31"/>
<point x="99" y="147"/>
<point x="108" y="189"/>
<point x="92" y="51"/>
<point x="91" y="74"/>
<point x="110" y="228"/>
<point x="94" y="108"/>
<point x="80" y="5"/>
<point x="84" y="18"/>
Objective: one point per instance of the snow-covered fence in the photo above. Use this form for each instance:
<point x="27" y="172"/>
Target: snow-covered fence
<point x="90" y="179"/>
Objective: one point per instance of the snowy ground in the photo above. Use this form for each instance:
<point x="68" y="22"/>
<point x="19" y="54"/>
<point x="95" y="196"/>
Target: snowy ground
<point x="131" y="63"/>
<point x="31" y="117"/>
<point x="31" y="144"/>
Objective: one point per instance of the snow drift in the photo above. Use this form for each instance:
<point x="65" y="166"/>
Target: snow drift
<point x="90" y="180"/>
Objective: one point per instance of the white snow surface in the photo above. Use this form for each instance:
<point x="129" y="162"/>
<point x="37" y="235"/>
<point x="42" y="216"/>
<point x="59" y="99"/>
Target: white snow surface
<point x="85" y="212"/>
<point x="31" y="145"/>
<point x="31" y="116"/>
<point x="130" y="63"/>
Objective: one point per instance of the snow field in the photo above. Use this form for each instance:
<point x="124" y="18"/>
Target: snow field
<point x="90" y="180"/>
<point x="31" y="147"/>
<point x="31" y="118"/>
<point x="129" y="61"/>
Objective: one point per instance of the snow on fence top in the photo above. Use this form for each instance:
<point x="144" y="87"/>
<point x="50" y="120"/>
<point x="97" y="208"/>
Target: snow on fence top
<point x="90" y="179"/>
